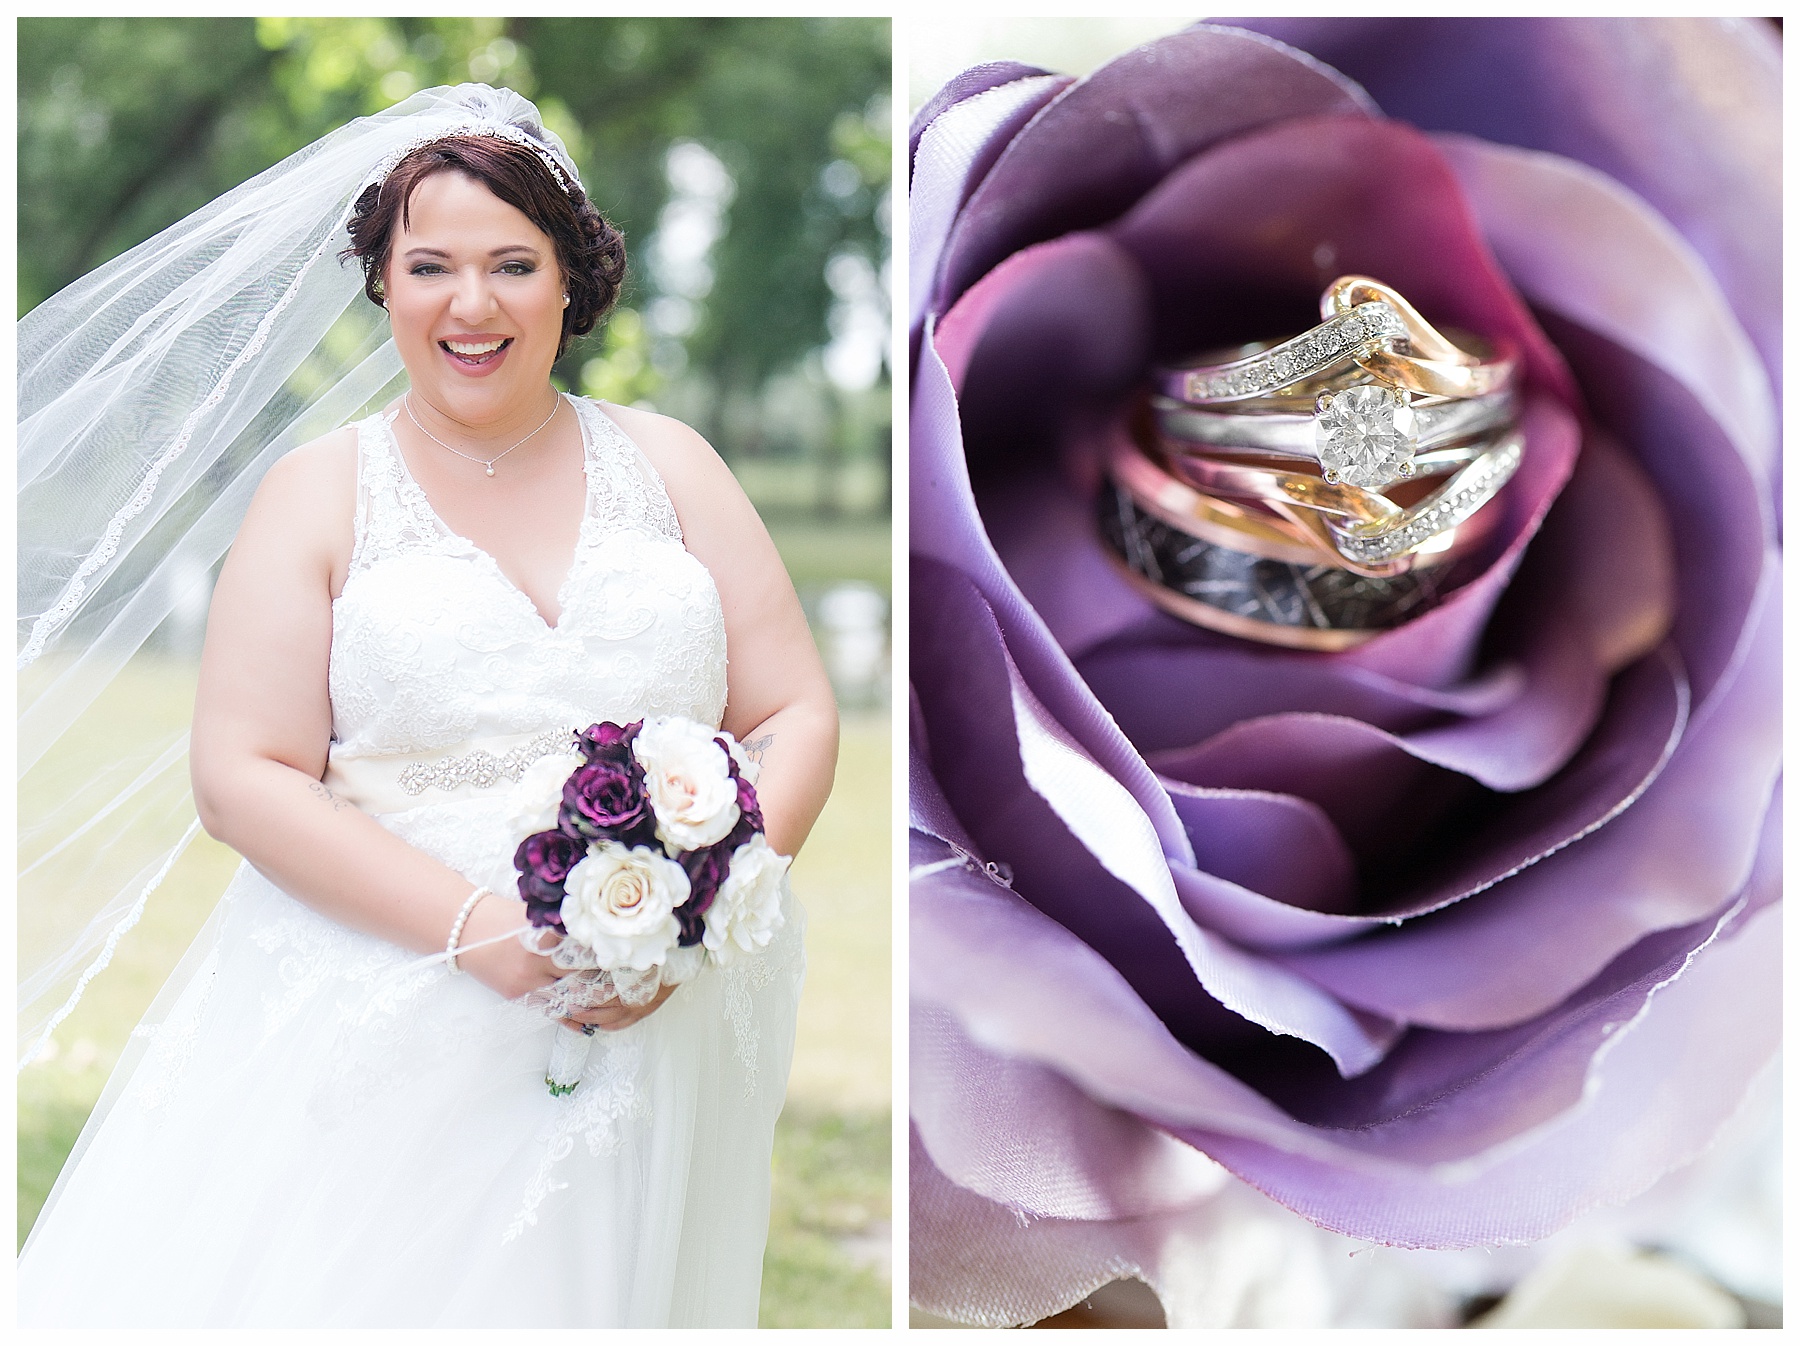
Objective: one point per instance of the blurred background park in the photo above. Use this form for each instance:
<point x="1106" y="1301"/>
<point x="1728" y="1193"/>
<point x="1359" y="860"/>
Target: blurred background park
<point x="747" y="162"/>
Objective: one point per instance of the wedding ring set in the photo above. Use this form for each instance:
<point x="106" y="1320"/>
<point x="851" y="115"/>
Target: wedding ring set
<point x="1316" y="491"/>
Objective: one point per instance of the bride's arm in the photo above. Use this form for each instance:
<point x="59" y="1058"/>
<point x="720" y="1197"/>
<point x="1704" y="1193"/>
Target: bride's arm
<point x="262" y="723"/>
<point x="779" y="704"/>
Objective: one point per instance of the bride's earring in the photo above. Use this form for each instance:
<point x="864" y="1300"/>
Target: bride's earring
<point x="565" y="298"/>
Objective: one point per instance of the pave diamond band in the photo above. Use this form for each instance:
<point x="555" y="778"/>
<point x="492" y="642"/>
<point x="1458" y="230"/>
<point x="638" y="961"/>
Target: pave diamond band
<point x="1448" y="506"/>
<point x="1262" y="371"/>
<point x="1298" y="535"/>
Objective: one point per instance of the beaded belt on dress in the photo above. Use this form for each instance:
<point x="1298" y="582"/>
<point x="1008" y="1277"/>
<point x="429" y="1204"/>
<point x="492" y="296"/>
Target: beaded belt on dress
<point x="481" y="766"/>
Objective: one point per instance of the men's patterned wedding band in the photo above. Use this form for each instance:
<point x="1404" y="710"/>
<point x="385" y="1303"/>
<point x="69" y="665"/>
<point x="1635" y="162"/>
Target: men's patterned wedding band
<point x="1299" y="605"/>
<point x="1360" y="438"/>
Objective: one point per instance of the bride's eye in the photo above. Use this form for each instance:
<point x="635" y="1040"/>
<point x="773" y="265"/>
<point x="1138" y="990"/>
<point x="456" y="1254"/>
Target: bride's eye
<point x="516" y="268"/>
<point x="426" y="269"/>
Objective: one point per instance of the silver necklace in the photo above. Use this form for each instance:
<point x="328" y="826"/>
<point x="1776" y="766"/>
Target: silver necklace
<point x="488" y="463"/>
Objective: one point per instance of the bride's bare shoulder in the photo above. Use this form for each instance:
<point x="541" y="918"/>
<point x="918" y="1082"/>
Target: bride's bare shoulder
<point x="308" y="497"/>
<point x="326" y="465"/>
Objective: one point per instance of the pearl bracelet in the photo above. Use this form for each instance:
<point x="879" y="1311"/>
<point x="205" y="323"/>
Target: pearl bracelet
<point x="456" y="930"/>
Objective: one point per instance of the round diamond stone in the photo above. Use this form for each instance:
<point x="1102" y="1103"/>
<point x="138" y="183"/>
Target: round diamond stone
<point x="1367" y="436"/>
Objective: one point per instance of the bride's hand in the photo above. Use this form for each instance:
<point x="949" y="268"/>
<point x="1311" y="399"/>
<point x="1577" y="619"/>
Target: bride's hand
<point x="506" y="967"/>
<point x="586" y="1001"/>
<point x="616" y="1014"/>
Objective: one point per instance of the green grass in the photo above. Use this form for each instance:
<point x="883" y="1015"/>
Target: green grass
<point x="48" y="1126"/>
<point x="830" y="1204"/>
<point x="832" y="1169"/>
<point x="818" y="551"/>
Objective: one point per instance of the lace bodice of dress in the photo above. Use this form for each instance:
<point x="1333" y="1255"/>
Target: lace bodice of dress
<point x="432" y="645"/>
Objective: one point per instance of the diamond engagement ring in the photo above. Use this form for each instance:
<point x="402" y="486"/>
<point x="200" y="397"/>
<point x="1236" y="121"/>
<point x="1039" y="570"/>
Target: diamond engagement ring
<point x="1360" y="393"/>
<point x="1359" y="434"/>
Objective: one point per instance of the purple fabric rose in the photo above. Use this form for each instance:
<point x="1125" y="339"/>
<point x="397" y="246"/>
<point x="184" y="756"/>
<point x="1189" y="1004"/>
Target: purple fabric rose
<point x="608" y="742"/>
<point x="1440" y="941"/>
<point x="605" y="801"/>
<point x="750" y="819"/>
<point x="544" y="860"/>
<point x="706" y="868"/>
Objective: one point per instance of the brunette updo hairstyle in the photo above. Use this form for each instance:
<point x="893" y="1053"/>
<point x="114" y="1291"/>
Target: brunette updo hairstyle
<point x="590" y="251"/>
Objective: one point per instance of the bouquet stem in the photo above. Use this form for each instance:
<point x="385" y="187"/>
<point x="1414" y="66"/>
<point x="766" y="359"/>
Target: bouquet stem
<point x="568" y="1058"/>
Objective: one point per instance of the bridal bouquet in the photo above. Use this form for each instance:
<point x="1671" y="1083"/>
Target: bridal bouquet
<point x="643" y="850"/>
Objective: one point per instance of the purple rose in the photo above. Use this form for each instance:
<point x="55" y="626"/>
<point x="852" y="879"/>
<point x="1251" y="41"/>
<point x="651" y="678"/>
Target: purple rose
<point x="706" y="868"/>
<point x="608" y="742"/>
<point x="750" y="819"/>
<point x="544" y="860"/>
<point x="605" y="801"/>
<point x="1440" y="941"/>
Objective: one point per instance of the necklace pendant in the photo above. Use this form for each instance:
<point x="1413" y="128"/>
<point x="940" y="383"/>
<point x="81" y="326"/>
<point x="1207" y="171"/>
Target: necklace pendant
<point x="490" y="468"/>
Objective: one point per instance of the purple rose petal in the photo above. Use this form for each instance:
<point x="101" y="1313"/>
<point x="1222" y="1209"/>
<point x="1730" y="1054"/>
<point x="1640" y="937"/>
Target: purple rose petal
<point x="1680" y="385"/>
<point x="1269" y="842"/>
<point x="971" y="83"/>
<point x="1678" y="853"/>
<point x="1080" y="849"/>
<point x="1685" y="112"/>
<point x="1445" y="1171"/>
<point x="961" y="132"/>
<point x="1112" y="136"/>
<point x="944" y="523"/>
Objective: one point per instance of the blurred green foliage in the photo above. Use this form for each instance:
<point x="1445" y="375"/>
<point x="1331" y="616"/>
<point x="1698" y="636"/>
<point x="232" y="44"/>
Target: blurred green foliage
<point x="128" y="124"/>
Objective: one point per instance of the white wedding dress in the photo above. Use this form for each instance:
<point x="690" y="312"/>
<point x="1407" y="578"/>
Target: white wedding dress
<point x="305" y="1134"/>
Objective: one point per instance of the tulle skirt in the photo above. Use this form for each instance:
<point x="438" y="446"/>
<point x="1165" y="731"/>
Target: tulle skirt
<point x="308" y="1134"/>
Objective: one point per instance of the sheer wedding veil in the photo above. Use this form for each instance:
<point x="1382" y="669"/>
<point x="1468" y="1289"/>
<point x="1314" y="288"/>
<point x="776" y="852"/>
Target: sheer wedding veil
<point x="153" y="395"/>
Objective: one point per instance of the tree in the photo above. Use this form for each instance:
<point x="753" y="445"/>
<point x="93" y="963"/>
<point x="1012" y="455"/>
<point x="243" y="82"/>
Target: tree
<point x="126" y="125"/>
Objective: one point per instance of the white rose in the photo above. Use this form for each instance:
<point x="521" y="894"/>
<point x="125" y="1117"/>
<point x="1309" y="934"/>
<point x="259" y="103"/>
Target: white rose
<point x="687" y="776"/>
<point x="537" y="798"/>
<point x="621" y="904"/>
<point x="746" y="912"/>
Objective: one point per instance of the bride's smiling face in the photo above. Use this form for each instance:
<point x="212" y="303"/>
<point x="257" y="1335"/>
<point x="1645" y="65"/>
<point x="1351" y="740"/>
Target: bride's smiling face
<point x="474" y="295"/>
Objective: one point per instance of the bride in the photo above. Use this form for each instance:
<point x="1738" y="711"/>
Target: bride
<point x="327" y="1128"/>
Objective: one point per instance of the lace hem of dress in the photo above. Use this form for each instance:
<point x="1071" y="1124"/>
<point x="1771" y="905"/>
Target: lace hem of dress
<point x="608" y="1095"/>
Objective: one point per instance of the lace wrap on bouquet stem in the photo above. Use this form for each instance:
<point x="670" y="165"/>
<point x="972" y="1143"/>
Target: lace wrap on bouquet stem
<point x="153" y="395"/>
<point x="590" y="988"/>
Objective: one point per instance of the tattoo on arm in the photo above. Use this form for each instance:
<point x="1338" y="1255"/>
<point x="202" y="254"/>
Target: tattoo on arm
<point x="755" y="748"/>
<point x="320" y="789"/>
